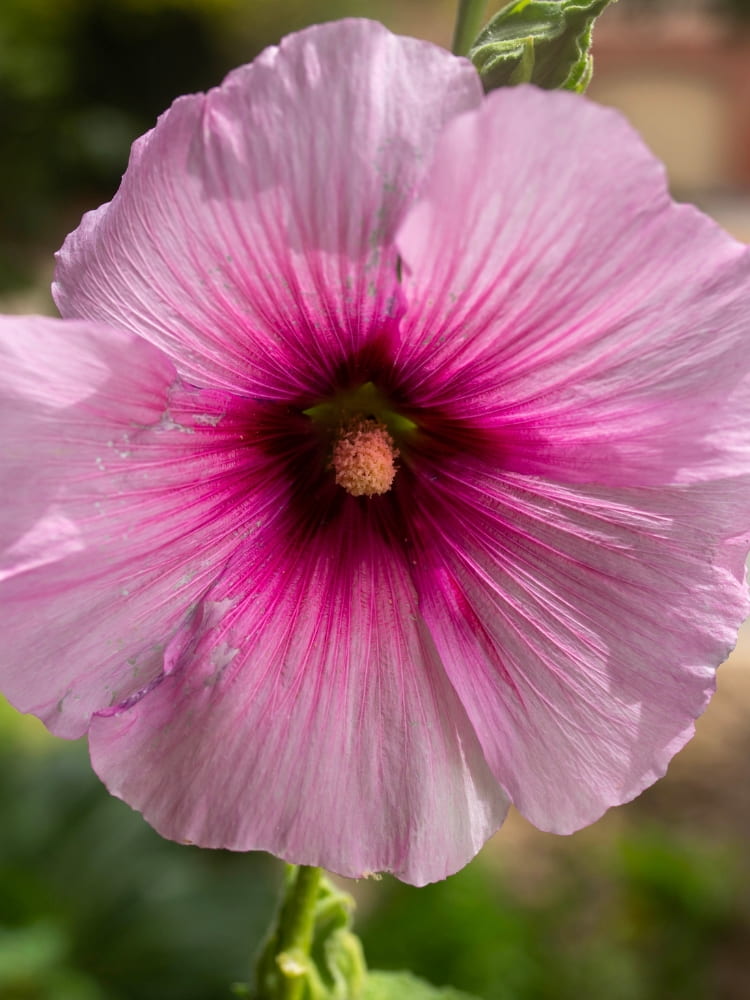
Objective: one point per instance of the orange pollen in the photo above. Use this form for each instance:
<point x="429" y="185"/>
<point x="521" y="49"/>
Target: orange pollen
<point x="364" y="458"/>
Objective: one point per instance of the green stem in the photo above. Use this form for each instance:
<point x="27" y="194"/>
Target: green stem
<point x="298" y="919"/>
<point x="468" y="24"/>
<point x="292" y="937"/>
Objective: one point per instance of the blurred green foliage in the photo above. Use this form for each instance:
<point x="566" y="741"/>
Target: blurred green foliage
<point x="79" y="79"/>
<point x="95" y="906"/>
<point x="646" y="917"/>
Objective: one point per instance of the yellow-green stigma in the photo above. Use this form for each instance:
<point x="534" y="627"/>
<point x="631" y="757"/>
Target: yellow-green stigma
<point x="364" y="458"/>
<point x="366" y="399"/>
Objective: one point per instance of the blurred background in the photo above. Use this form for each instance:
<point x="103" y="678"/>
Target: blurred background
<point x="651" y="903"/>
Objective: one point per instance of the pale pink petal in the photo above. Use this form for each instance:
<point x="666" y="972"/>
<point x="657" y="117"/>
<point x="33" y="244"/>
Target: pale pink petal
<point x="581" y="627"/>
<point x="123" y="496"/>
<point x="559" y="298"/>
<point x="252" y="235"/>
<point x="308" y="714"/>
<point x="535" y="610"/>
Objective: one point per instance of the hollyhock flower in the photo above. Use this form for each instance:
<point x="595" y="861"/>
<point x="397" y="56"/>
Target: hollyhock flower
<point x="391" y="464"/>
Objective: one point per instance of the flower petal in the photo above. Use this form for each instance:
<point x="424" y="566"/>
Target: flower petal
<point x="581" y="627"/>
<point x="123" y="492"/>
<point x="557" y="295"/>
<point x="252" y="235"/>
<point x="309" y="715"/>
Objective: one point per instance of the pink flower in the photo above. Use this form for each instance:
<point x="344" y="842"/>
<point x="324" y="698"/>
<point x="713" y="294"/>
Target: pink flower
<point x="391" y="464"/>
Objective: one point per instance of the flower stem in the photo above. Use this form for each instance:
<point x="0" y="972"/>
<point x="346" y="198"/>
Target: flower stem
<point x="468" y="22"/>
<point x="298" y="919"/>
<point x="283" y="963"/>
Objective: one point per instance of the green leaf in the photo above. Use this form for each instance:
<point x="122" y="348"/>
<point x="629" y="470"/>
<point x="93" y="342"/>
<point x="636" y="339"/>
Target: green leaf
<point x="546" y="42"/>
<point x="404" y="986"/>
